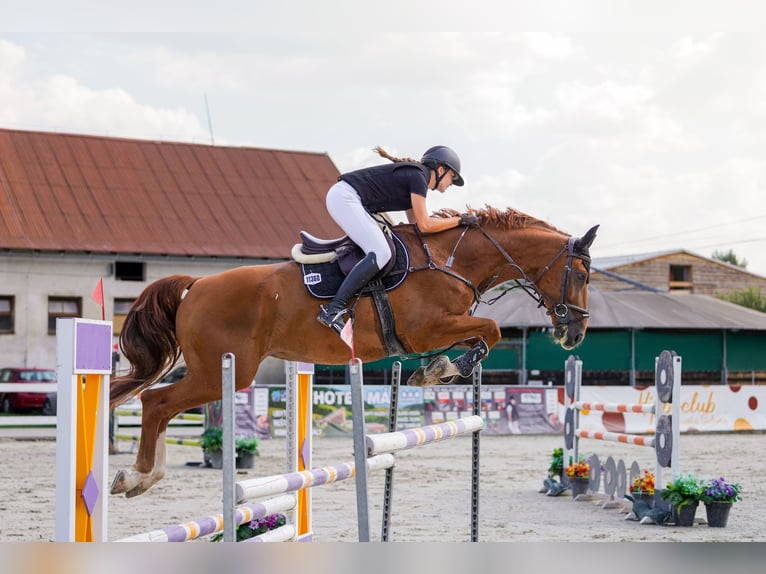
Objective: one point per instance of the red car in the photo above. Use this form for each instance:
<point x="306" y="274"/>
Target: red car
<point x="24" y="401"/>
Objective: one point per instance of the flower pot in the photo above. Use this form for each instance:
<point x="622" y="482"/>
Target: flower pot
<point x="645" y="496"/>
<point x="685" y="516"/>
<point x="718" y="513"/>
<point x="215" y="457"/>
<point x="245" y="460"/>
<point x="579" y="485"/>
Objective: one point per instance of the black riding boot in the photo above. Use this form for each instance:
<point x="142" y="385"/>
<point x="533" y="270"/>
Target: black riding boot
<point x="357" y="278"/>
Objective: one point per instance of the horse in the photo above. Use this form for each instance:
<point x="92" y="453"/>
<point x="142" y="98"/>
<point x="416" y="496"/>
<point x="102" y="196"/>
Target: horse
<point x="265" y="310"/>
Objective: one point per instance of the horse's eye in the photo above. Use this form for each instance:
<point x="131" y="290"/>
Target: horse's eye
<point x="581" y="276"/>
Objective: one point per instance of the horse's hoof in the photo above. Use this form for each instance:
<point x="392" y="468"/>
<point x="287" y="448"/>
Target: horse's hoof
<point x="417" y="379"/>
<point x="118" y="484"/>
<point x="135" y="491"/>
<point x="440" y="371"/>
<point x="439" y="367"/>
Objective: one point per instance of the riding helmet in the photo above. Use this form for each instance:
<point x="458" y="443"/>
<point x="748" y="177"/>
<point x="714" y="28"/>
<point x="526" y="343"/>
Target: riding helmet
<point x="442" y="155"/>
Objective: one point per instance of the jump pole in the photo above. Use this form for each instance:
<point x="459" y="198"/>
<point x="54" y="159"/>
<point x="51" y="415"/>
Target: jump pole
<point x="83" y="366"/>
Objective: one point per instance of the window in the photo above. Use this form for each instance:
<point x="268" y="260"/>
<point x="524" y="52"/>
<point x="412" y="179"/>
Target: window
<point x="129" y="270"/>
<point x="6" y="314"/>
<point x="680" y="277"/>
<point x="121" y="308"/>
<point x="62" y="307"/>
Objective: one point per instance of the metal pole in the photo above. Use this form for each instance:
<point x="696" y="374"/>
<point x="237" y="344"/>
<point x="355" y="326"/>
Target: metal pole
<point x="228" y="369"/>
<point x="360" y="449"/>
<point x="476" y="411"/>
<point x="388" y="489"/>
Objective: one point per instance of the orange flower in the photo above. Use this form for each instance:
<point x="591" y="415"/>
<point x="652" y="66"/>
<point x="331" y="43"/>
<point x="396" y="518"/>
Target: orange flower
<point x="643" y="483"/>
<point x="578" y="470"/>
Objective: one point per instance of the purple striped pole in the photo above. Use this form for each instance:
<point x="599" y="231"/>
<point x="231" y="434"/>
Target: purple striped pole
<point x="214" y="523"/>
<point x="409" y="438"/>
<point x="295" y="481"/>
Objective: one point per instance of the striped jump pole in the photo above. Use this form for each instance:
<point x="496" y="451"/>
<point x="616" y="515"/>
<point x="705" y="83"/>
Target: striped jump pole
<point x="213" y="523"/>
<point x="279" y="494"/>
<point x="296" y="481"/>
<point x="616" y="437"/>
<point x="410" y="438"/>
<point x="196" y="417"/>
<point x="615" y="407"/>
<point x="168" y="439"/>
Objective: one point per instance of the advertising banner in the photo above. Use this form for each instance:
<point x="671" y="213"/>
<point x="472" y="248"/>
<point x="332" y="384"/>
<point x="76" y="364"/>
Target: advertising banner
<point x="520" y="409"/>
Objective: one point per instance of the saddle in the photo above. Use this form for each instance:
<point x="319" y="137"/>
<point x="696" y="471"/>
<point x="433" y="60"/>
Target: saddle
<point x="325" y="263"/>
<point x="343" y="249"/>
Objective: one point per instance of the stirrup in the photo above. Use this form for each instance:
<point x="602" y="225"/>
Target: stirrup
<point x="334" y="322"/>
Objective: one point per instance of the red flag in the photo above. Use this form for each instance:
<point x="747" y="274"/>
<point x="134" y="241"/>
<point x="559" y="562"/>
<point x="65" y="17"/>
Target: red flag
<point x="98" y="296"/>
<point x="347" y="336"/>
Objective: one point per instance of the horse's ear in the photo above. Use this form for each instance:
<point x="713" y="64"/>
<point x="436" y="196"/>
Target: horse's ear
<point x="585" y="241"/>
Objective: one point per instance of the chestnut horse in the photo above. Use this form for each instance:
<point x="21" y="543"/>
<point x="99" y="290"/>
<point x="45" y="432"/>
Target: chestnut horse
<point x="266" y="310"/>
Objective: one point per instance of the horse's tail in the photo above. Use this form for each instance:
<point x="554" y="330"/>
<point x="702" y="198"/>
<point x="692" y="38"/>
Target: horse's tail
<point x="148" y="336"/>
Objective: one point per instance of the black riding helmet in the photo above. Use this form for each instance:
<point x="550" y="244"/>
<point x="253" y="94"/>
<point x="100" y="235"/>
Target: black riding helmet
<point x="442" y="155"/>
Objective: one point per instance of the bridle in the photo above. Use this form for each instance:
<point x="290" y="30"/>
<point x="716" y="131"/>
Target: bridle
<point x="561" y="309"/>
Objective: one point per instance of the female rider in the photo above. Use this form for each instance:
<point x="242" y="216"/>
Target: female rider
<point x="400" y="186"/>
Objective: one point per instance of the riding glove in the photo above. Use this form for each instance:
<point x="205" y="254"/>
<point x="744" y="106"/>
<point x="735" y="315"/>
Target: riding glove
<point x="469" y="219"/>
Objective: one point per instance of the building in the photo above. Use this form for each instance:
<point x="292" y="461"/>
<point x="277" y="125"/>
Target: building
<point x="677" y="271"/>
<point x="74" y="209"/>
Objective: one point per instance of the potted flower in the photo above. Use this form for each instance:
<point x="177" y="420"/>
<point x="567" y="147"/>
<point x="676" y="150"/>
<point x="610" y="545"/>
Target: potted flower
<point x="579" y="477"/>
<point x="556" y="467"/>
<point x="551" y="487"/>
<point x="642" y="487"/>
<point x="719" y="495"/>
<point x="246" y="449"/>
<point x="211" y="442"/>
<point x="255" y="527"/>
<point x="683" y="494"/>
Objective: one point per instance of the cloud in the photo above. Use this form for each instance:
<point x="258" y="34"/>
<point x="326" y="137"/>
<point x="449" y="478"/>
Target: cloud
<point x="62" y="103"/>
<point x="687" y="48"/>
<point x="551" y="46"/>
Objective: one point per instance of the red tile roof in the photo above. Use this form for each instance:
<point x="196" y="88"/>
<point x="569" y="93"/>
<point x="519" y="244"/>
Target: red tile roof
<point x="62" y="192"/>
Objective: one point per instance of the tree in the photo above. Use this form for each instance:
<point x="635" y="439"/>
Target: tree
<point x="751" y="298"/>
<point x="730" y="257"/>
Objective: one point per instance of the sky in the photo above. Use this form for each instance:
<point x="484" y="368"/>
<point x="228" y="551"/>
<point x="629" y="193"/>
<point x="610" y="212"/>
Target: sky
<point x="644" y="118"/>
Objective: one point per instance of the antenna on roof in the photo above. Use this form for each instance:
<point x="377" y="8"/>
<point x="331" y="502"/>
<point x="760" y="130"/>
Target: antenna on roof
<point x="209" y="122"/>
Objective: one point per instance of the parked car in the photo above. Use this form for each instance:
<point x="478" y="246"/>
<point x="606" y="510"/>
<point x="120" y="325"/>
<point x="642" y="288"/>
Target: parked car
<point x="24" y="401"/>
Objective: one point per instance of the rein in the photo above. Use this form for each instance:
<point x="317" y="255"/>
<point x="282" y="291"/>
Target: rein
<point x="561" y="309"/>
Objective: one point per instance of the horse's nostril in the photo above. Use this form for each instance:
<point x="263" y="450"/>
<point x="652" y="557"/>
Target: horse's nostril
<point x="578" y="338"/>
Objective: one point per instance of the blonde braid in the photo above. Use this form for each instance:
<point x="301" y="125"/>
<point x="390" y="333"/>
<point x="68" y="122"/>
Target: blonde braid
<point x="383" y="153"/>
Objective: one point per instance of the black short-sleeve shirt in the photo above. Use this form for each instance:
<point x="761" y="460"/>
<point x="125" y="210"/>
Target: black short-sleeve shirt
<point x="388" y="187"/>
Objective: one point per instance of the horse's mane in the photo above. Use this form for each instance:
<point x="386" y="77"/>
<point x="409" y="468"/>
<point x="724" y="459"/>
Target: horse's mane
<point x="508" y="219"/>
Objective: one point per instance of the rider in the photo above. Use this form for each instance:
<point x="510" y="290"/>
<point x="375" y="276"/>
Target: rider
<point x="401" y="186"/>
